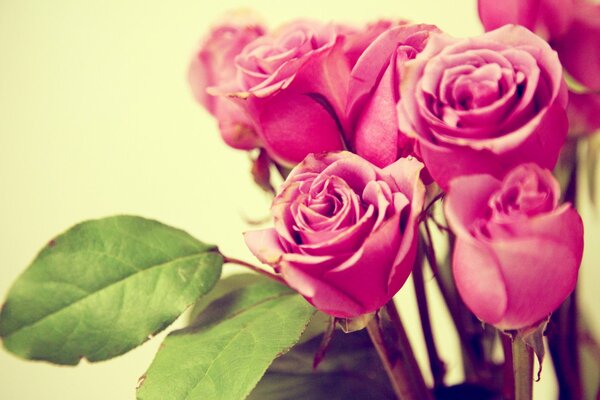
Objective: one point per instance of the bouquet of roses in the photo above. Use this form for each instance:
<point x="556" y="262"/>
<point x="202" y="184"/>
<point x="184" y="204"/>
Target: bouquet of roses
<point x="401" y="149"/>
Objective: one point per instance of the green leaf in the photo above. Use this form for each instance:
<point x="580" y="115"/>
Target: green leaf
<point x="222" y="288"/>
<point x="230" y="346"/>
<point x="103" y="288"/>
<point x="351" y="369"/>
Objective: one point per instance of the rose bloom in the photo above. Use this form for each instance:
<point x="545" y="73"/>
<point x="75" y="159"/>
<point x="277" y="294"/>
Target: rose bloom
<point x="572" y="27"/>
<point x="358" y="39"/>
<point x="485" y="104"/>
<point x="373" y="93"/>
<point x="517" y="251"/>
<point x="579" y="52"/>
<point x="213" y="65"/>
<point x="293" y="84"/>
<point x="345" y="232"/>
<point x="547" y="18"/>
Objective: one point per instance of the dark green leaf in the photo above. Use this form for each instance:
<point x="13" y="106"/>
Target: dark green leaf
<point x="104" y="287"/>
<point x="222" y="288"/>
<point x="351" y="369"/>
<point x="230" y="346"/>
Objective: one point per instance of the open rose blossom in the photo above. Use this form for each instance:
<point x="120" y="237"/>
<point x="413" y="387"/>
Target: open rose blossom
<point x="517" y="251"/>
<point x="345" y="232"/>
<point x="213" y="65"/>
<point x="485" y="104"/>
<point x="293" y="83"/>
<point x="373" y="93"/>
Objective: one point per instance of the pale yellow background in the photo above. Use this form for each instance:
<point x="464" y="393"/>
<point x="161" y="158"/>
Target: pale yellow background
<point x="96" y="119"/>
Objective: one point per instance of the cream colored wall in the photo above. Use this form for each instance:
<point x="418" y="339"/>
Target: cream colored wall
<point x="96" y="119"/>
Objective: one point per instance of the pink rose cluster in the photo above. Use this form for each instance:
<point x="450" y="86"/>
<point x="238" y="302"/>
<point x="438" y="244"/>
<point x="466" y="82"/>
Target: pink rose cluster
<point x="368" y="116"/>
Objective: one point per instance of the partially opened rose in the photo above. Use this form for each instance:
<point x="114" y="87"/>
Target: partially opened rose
<point x="517" y="251"/>
<point x="213" y="65"/>
<point x="345" y="231"/>
<point x="374" y="92"/>
<point x="485" y="104"/>
<point x="293" y="84"/>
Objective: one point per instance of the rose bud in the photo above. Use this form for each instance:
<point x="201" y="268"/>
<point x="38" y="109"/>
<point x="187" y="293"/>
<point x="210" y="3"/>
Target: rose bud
<point x="213" y="65"/>
<point x="345" y="232"/>
<point x="293" y="84"/>
<point x="517" y="251"/>
<point x="374" y="92"/>
<point x="485" y="104"/>
<point x="547" y="18"/>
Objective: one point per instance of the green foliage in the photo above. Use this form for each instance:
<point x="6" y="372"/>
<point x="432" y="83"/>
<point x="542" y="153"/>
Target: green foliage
<point x="104" y="287"/>
<point x="350" y="370"/>
<point x="229" y="346"/>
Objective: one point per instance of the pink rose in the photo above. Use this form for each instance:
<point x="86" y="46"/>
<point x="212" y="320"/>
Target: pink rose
<point x="584" y="113"/>
<point x="517" y="251"/>
<point x="213" y="65"/>
<point x="374" y="93"/>
<point x="547" y="18"/>
<point x="293" y="84"/>
<point x="345" y="232"/>
<point x="357" y="40"/>
<point x="579" y="52"/>
<point x="573" y="30"/>
<point x="484" y="105"/>
<point x="579" y="47"/>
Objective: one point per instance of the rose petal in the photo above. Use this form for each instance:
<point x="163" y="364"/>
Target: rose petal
<point x="264" y="244"/>
<point x="479" y="280"/>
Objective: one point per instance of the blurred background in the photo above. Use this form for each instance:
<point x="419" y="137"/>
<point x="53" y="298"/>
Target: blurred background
<point x="96" y="119"/>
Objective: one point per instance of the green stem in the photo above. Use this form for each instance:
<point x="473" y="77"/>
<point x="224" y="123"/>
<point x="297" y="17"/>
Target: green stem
<point x="522" y="356"/>
<point x="231" y="260"/>
<point x="397" y="357"/>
